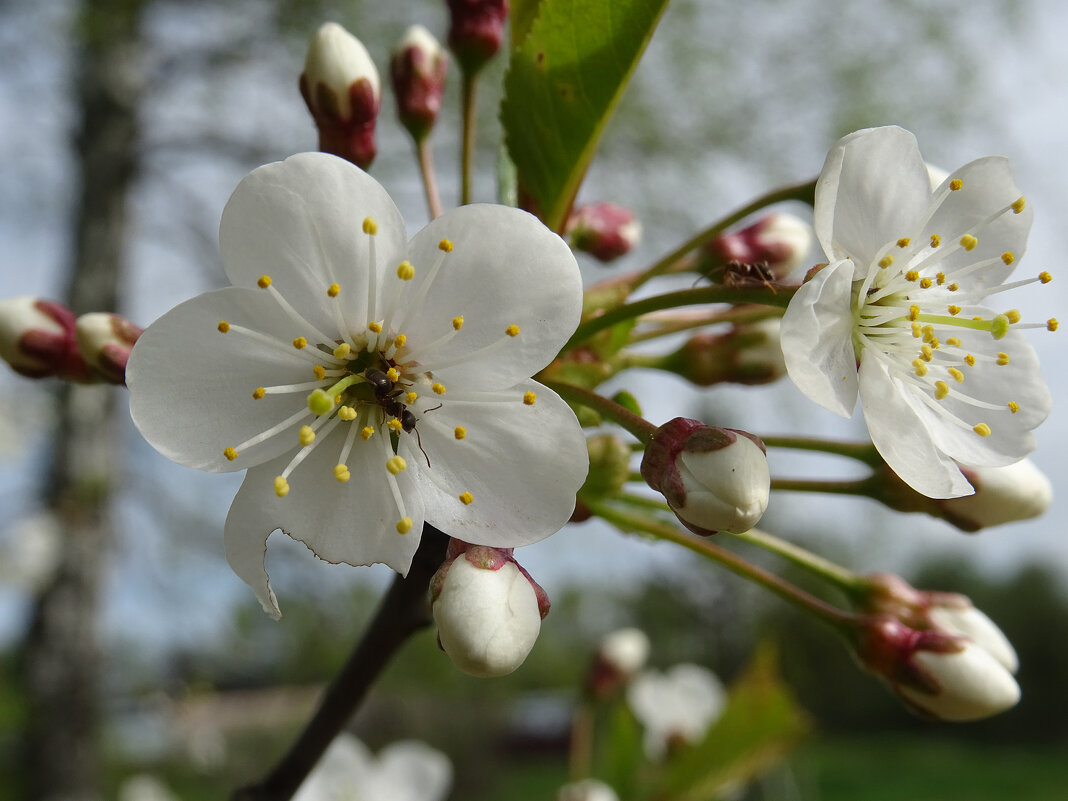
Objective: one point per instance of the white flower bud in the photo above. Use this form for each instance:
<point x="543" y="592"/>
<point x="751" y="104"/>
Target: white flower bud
<point x="104" y="341"/>
<point x="726" y="489"/>
<point x="587" y="790"/>
<point x="37" y="339"/>
<point x="972" y="684"/>
<point x="336" y="59"/>
<point x="676" y="705"/>
<point x="1006" y="494"/>
<point x="965" y="620"/>
<point x="417" y="69"/>
<point x="625" y="650"/>
<point x="783" y="241"/>
<point x="488" y="620"/>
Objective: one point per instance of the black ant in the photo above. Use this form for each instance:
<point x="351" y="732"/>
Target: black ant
<point x="386" y="394"/>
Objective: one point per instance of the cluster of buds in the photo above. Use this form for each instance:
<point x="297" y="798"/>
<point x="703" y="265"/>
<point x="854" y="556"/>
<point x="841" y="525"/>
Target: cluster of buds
<point x="620" y="656"/>
<point x="476" y="30"/>
<point x="775" y="245"/>
<point x="749" y="353"/>
<point x="714" y="479"/>
<point x="41" y="339"/>
<point x="417" y="70"/>
<point x="943" y="657"/>
<point x="604" y="230"/>
<point x="487" y="608"/>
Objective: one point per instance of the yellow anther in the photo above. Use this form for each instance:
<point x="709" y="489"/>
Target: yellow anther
<point x="264" y="281"/>
<point x="1018" y="204"/>
<point x="925" y="283"/>
<point x="370" y="226"/>
<point x="941" y="390"/>
<point x="529" y="398"/>
<point x="512" y="330"/>
<point x="333" y="290"/>
<point x="439" y="388"/>
<point x="399" y="341"/>
<point x="337" y="399"/>
<point x="445" y="245"/>
<point x="404" y="525"/>
<point x="396" y="464"/>
<point x="958" y="376"/>
<point x="953" y="287"/>
<point x="1052" y="324"/>
<point x="928" y="333"/>
<point x="347" y="413"/>
<point x="968" y="242"/>
<point x="374" y="327"/>
<point x="903" y="242"/>
<point x="307" y="435"/>
<point x="982" y="429"/>
<point x="459" y="432"/>
<point x="342" y="350"/>
<point x="259" y="392"/>
<point x="1045" y="277"/>
<point x="405" y="271"/>
<point x="281" y="487"/>
<point x="320" y="371"/>
<point x="230" y="454"/>
<point x="1014" y="407"/>
<point x="458" y="322"/>
<point x="223" y="326"/>
<point x="394" y="424"/>
<point x="920" y="366"/>
<point x="917" y="330"/>
<point x="914" y="312"/>
<point x="934" y="343"/>
<point x="411" y="398"/>
<point x="300" y="343"/>
<point x="341" y="473"/>
<point x="886" y="261"/>
<point x="955" y="184"/>
<point x="366" y="433"/>
<point x="466" y="498"/>
<point x="1003" y="359"/>
<point x="926" y="353"/>
<point x="953" y="341"/>
<point x="912" y="275"/>
<point x="1008" y="257"/>
<point x="393" y="374"/>
<point x="941" y="278"/>
<point x="954" y="309"/>
<point x="969" y="360"/>
<point x="1013" y="315"/>
<point x="936" y="240"/>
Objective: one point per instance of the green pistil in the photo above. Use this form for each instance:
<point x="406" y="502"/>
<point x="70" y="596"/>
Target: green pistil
<point x="998" y="325"/>
<point x="321" y="401"/>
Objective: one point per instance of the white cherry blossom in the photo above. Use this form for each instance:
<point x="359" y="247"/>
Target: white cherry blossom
<point x="369" y="383"/>
<point x="898" y="317"/>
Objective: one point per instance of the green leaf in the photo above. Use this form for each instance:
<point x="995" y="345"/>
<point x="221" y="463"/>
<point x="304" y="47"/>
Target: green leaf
<point x="522" y="13"/>
<point x="563" y="83"/>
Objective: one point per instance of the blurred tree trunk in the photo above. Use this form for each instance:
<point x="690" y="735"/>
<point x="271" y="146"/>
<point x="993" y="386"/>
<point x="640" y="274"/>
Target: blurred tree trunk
<point x="62" y="654"/>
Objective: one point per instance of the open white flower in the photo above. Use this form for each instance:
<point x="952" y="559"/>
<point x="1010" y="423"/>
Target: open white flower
<point x="679" y="704"/>
<point x="407" y="770"/>
<point x="368" y="383"/>
<point x="896" y="316"/>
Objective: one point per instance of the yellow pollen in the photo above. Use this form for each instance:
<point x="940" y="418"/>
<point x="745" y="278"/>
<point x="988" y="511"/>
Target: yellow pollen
<point x="1014" y="407"/>
<point x="223" y="326"/>
<point x="968" y="242"/>
<point x="903" y="242"/>
<point x="1013" y="315"/>
<point x="982" y="429"/>
<point x="1008" y="257"/>
<point x="512" y="330"/>
<point x="439" y="388"/>
<point x="926" y="353"/>
<point x="264" y="281"/>
<point x="374" y="327"/>
<point x="342" y="350"/>
<point x="366" y="433"/>
<point x="934" y="343"/>
<point x="307" y="435"/>
<point x="399" y="341"/>
<point x="396" y="464"/>
<point x="411" y="398"/>
<point x="928" y="333"/>
<point x="969" y="360"/>
<point x="337" y="399"/>
<point x="300" y="343"/>
<point x="459" y="432"/>
<point x="320" y="371"/>
<point x="941" y="390"/>
<point x="920" y="366"/>
<point x="1045" y="277"/>
<point x="916" y="329"/>
<point x="936" y="240"/>
<point x="1018" y="204"/>
<point x="230" y="454"/>
<point x="955" y="184"/>
<point x="953" y="341"/>
<point x="394" y="424"/>
<point x="333" y="290"/>
<point x="341" y="473"/>
<point x="405" y="271"/>
<point x="925" y="283"/>
<point x="886" y="261"/>
<point x="445" y="245"/>
<point x="941" y="278"/>
<point x="954" y="309"/>
<point x="958" y="376"/>
<point x="914" y="312"/>
<point x="259" y="392"/>
<point x="370" y="226"/>
<point x="912" y="275"/>
<point x="466" y="498"/>
<point x="1003" y="359"/>
<point x="393" y="374"/>
<point x="1052" y="324"/>
<point x="953" y="287"/>
<point x="281" y="487"/>
<point x="529" y="398"/>
<point x="404" y="525"/>
<point x="458" y="322"/>
<point x="347" y="413"/>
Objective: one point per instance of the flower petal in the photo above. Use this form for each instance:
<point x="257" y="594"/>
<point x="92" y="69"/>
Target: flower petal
<point x="817" y="339"/>
<point x="191" y="386"/>
<point x="522" y="465"/>
<point x="300" y="221"/>
<point x="506" y="268"/>
<point x="409" y="770"/>
<point x="873" y="190"/>
<point x="901" y="437"/>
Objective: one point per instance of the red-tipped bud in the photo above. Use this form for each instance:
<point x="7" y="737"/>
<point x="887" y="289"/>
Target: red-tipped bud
<point x="487" y="608"/>
<point x="604" y="230"/>
<point x="777" y="243"/>
<point x="714" y="479"/>
<point x="417" y="70"/>
<point x="104" y="341"/>
<point x="37" y="339"/>
<point x="620" y="656"/>
<point x="749" y="353"/>
<point x="476" y="29"/>
<point x="341" y="88"/>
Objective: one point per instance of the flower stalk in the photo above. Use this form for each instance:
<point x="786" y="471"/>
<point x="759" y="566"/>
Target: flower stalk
<point x="641" y="428"/>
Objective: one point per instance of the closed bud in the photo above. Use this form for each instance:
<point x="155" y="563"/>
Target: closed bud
<point x="620" y="656"/>
<point x="749" y="354"/>
<point x="487" y="608"/>
<point x="104" y="341"/>
<point x="778" y="243"/>
<point x="476" y="29"/>
<point x="604" y="230"/>
<point x="417" y="70"/>
<point x="714" y="479"/>
<point x="587" y="790"/>
<point x="1006" y="494"/>
<point x="341" y="88"/>
<point x="37" y="339"/>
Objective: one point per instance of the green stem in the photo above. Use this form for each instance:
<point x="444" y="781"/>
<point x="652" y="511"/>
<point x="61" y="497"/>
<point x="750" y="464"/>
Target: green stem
<point x="834" y="617"/>
<point x="856" y="487"/>
<point x="641" y="428"/>
<point x="426" y="170"/>
<point x="739" y="314"/>
<point x="861" y="451"/>
<point x="470" y="123"/>
<point x="845" y="579"/>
